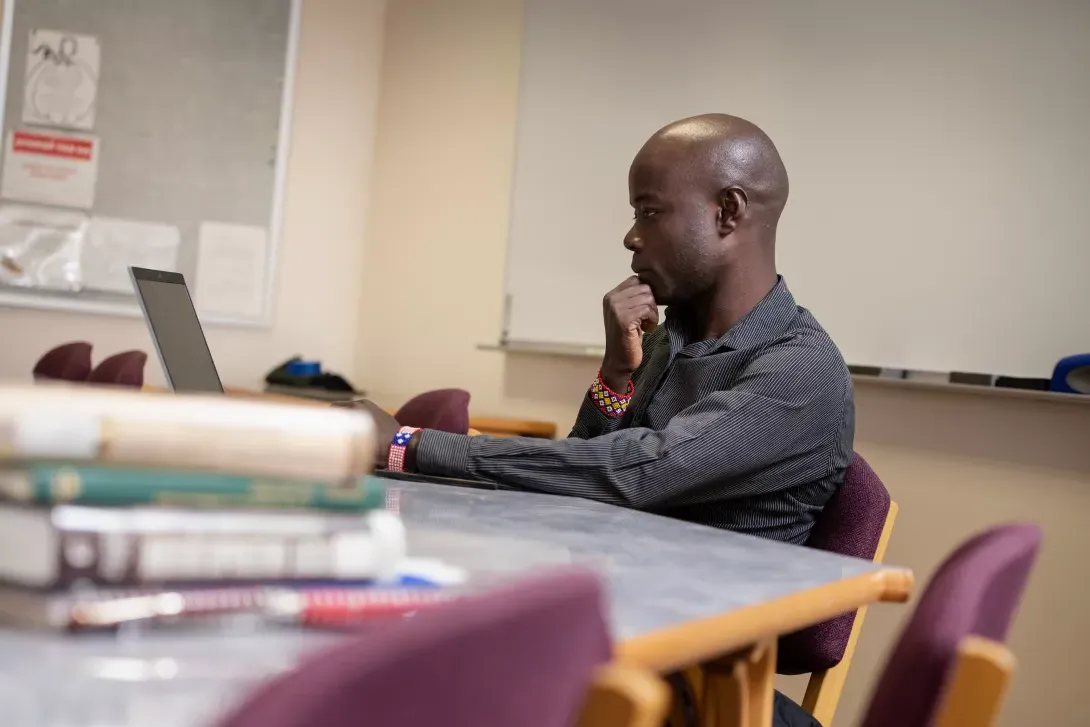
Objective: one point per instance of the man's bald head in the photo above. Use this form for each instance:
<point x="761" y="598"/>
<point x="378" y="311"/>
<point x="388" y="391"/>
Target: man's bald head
<point x="725" y="151"/>
<point x="707" y="192"/>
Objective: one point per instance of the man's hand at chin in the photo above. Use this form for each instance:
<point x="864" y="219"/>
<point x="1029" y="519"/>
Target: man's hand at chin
<point x="629" y="311"/>
<point x="385" y="426"/>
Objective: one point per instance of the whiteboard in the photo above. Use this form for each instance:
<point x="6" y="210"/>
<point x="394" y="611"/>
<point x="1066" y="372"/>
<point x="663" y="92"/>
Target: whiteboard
<point x="190" y="123"/>
<point x="939" y="155"/>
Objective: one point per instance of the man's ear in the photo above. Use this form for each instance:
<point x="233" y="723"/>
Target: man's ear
<point x="732" y="208"/>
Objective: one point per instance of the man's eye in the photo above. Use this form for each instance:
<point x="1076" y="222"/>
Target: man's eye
<point x="644" y="212"/>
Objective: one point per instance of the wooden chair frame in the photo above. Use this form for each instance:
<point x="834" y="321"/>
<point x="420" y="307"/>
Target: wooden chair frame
<point x="623" y="696"/>
<point x="977" y="685"/>
<point x="739" y="694"/>
<point x="825" y="687"/>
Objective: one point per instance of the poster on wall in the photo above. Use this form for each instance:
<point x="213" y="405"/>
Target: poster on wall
<point x="61" y="81"/>
<point x="231" y="265"/>
<point x="50" y="168"/>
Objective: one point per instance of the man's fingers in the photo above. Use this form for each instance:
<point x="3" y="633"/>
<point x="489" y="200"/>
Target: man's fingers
<point x="638" y="306"/>
<point x="628" y="287"/>
<point x="649" y="318"/>
<point x="652" y="315"/>
<point x="639" y="309"/>
<point x="633" y="298"/>
<point x="633" y="305"/>
<point x="645" y="318"/>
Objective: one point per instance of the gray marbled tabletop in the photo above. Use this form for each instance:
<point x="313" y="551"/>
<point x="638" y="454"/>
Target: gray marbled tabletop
<point x="660" y="572"/>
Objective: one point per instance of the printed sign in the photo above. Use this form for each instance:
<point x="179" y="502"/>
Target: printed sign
<point x="231" y="261"/>
<point x="54" y="169"/>
<point x="61" y="80"/>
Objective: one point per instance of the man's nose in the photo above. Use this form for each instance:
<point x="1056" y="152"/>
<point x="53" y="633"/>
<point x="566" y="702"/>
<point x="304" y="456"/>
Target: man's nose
<point x="633" y="241"/>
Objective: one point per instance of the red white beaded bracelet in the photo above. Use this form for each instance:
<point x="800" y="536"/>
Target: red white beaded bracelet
<point x="395" y="461"/>
<point x="608" y="401"/>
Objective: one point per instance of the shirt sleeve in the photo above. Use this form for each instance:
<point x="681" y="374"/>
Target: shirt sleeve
<point x="779" y="409"/>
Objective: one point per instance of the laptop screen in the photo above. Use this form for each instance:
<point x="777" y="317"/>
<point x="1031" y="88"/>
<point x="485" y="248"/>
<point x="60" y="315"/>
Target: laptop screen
<point x="177" y="333"/>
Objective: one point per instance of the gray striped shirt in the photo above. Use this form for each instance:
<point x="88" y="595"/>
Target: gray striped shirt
<point x="750" y="432"/>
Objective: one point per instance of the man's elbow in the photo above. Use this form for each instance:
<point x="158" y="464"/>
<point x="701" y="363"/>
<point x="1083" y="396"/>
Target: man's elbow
<point x="664" y="478"/>
<point x="641" y="494"/>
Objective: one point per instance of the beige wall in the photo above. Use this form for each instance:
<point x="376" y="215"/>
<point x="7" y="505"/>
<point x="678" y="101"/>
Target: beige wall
<point x="317" y="286"/>
<point x="434" y="267"/>
<point x="433" y="283"/>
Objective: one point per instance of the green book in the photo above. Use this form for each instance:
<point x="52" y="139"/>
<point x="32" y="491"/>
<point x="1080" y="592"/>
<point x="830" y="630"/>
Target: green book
<point x="53" y="484"/>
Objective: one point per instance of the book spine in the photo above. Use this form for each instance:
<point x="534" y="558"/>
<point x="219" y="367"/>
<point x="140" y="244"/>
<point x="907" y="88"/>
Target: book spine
<point x="185" y="432"/>
<point x="52" y="484"/>
<point x="152" y="547"/>
<point x="172" y="559"/>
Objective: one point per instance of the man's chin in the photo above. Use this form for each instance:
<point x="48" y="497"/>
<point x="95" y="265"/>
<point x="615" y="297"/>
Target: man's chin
<point x="656" y="287"/>
<point x="663" y="295"/>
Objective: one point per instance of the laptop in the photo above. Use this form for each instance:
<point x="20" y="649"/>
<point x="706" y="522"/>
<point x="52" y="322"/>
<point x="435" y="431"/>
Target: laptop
<point x="183" y="350"/>
<point x="176" y="331"/>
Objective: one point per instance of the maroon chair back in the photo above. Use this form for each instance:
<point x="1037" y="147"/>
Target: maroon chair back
<point x="121" y="369"/>
<point x="521" y="655"/>
<point x="851" y="524"/>
<point x="67" y="362"/>
<point x="446" y="410"/>
<point x="974" y="592"/>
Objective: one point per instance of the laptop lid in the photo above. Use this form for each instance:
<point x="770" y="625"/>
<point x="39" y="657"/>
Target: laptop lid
<point x="177" y="333"/>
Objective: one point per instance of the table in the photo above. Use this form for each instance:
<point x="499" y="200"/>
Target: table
<point x="680" y="595"/>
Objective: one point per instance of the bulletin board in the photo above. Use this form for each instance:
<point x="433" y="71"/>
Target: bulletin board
<point x="144" y="132"/>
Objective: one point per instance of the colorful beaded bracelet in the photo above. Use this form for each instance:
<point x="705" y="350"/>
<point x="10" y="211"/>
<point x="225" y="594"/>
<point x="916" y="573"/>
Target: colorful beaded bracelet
<point x="608" y="401"/>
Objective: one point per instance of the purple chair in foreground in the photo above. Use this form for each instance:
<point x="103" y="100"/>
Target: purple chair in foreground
<point x="857" y="522"/>
<point x="446" y="410"/>
<point x="121" y="369"/>
<point x="67" y="362"/>
<point x="523" y="655"/>
<point x="950" y="667"/>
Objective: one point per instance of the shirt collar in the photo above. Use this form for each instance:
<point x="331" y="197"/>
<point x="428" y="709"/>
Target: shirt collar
<point x="768" y="319"/>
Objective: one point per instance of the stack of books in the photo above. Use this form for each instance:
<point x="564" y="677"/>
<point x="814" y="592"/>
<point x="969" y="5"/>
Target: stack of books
<point x="122" y="506"/>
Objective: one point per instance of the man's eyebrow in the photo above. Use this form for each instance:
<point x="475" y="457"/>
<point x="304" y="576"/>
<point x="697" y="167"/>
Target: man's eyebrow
<point x="644" y="197"/>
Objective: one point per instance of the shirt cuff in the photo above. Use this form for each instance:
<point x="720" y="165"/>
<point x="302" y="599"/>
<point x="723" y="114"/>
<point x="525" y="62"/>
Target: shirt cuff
<point x="442" y="453"/>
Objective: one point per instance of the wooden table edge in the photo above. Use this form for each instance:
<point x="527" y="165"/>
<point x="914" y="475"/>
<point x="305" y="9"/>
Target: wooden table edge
<point x="696" y="642"/>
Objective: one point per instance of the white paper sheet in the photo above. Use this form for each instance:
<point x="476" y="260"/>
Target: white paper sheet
<point x="40" y="247"/>
<point x="61" y="81"/>
<point x="231" y="270"/>
<point x="113" y="244"/>
<point x="50" y="168"/>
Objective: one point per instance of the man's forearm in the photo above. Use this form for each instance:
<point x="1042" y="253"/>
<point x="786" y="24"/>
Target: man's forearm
<point x="615" y="379"/>
<point x="628" y="467"/>
<point x="707" y="449"/>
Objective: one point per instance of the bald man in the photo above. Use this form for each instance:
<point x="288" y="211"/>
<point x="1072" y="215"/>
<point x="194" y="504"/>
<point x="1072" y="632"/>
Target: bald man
<point x="737" y="412"/>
